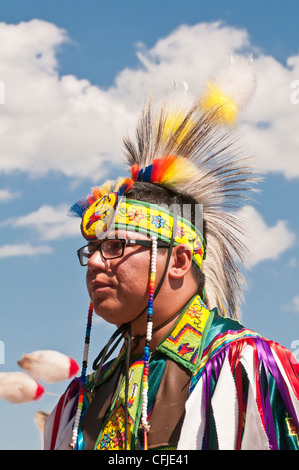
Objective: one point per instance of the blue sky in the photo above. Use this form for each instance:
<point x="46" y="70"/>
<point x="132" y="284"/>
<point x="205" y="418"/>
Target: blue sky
<point x="75" y="74"/>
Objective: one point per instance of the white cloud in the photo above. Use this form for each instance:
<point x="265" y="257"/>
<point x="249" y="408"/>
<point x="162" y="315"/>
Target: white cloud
<point x="68" y="125"/>
<point x="7" y="195"/>
<point x="50" y="222"/>
<point x="181" y="56"/>
<point x="273" y="119"/>
<point x="25" y="249"/>
<point x="61" y="123"/>
<point x="265" y="243"/>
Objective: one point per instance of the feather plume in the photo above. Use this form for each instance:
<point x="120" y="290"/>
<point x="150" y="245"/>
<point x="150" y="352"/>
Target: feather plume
<point x="48" y="366"/>
<point x="169" y="170"/>
<point x="78" y="209"/>
<point x="210" y="168"/>
<point x="18" y="387"/>
<point x="121" y="185"/>
<point x="230" y="88"/>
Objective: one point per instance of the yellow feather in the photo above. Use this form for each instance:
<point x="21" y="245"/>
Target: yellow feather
<point x="214" y="99"/>
<point x="118" y="183"/>
<point x="172" y="123"/>
<point x="107" y="187"/>
<point x="180" y="170"/>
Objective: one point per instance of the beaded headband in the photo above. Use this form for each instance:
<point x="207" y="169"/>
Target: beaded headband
<point x="139" y="216"/>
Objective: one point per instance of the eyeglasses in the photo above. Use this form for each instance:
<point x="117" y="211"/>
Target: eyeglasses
<point x="113" y="248"/>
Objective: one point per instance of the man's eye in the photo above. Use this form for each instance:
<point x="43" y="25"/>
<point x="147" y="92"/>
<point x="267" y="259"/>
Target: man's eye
<point x="88" y="251"/>
<point x="112" y="247"/>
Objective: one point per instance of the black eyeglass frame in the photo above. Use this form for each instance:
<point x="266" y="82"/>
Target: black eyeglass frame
<point x="125" y="242"/>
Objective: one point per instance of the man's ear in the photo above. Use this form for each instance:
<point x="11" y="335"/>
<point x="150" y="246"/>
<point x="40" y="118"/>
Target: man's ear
<point x="181" y="261"/>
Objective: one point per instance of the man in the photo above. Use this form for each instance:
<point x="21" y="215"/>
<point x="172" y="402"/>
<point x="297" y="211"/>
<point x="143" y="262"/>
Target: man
<point x="188" y="375"/>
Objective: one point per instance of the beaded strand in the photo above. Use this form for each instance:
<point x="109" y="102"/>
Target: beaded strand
<point x="144" y="421"/>
<point x="82" y="378"/>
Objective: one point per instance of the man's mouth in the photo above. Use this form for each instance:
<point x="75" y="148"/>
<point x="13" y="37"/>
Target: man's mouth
<point x="99" y="285"/>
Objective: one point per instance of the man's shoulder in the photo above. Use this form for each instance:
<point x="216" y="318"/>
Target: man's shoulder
<point x="226" y="329"/>
<point x="229" y="338"/>
<point x="224" y="336"/>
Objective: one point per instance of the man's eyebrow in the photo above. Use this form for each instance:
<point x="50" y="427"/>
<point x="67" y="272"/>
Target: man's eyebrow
<point x="96" y="242"/>
<point x="102" y="240"/>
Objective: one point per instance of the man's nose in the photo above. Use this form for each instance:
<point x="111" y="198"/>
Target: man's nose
<point x="96" y="261"/>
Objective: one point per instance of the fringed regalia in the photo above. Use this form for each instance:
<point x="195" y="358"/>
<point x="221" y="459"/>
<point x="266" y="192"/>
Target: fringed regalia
<point x="214" y="385"/>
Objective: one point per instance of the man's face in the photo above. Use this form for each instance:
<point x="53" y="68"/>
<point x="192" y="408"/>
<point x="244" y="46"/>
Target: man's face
<point x="118" y="287"/>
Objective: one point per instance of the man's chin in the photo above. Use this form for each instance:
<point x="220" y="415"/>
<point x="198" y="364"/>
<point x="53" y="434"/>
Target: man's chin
<point x="107" y="313"/>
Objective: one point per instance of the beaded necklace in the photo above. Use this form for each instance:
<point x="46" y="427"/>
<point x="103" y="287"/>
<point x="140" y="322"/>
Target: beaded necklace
<point x="149" y="329"/>
<point x="82" y="378"/>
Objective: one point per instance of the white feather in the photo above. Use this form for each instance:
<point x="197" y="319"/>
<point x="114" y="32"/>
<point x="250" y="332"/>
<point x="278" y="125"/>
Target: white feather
<point x="236" y="78"/>
<point x="48" y="366"/>
<point x="18" y="387"/>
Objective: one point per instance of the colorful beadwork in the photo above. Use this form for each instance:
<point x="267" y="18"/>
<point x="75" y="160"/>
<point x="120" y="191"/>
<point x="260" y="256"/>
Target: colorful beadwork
<point x="144" y="414"/>
<point x="82" y="378"/>
<point x="128" y="214"/>
<point x="112" y="436"/>
<point x="182" y="343"/>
